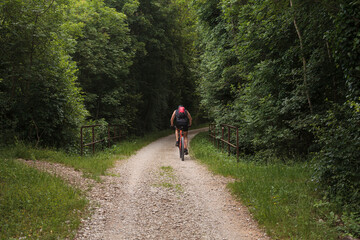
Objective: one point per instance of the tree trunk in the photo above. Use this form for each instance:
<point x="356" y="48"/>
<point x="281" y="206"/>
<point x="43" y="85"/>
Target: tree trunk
<point x="303" y="61"/>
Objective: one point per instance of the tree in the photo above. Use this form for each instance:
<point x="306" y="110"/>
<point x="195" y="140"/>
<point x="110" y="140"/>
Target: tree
<point x="104" y="54"/>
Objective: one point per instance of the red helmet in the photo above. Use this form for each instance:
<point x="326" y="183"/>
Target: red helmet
<point x="181" y="109"/>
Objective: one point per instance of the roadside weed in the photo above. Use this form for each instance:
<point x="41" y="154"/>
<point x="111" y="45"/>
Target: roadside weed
<point x="168" y="179"/>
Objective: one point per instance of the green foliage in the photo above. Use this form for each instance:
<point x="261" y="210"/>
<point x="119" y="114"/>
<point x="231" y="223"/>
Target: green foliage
<point x="128" y="7"/>
<point x="35" y="205"/>
<point x="346" y="45"/>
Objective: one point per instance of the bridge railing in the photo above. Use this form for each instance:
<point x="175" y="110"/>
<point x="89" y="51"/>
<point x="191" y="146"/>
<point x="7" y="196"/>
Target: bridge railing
<point x="113" y="133"/>
<point x="229" y="137"/>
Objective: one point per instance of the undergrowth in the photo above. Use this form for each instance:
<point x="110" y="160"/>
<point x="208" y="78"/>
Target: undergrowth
<point x="282" y="198"/>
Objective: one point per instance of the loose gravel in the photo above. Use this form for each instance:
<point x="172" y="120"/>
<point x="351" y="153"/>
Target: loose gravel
<point x="155" y="195"/>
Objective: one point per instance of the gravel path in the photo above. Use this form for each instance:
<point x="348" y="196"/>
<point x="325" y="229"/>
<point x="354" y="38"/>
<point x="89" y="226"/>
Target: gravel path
<point x="154" y="195"/>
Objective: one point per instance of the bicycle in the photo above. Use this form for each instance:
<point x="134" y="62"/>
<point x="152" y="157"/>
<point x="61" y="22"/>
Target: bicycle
<point x="181" y="141"/>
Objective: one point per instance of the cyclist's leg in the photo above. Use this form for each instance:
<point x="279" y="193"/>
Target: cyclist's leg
<point x="186" y="139"/>
<point x="186" y="151"/>
<point x="176" y="136"/>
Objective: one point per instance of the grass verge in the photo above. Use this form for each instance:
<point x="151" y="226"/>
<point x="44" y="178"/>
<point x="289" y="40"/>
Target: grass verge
<point x="36" y="205"/>
<point x="93" y="166"/>
<point x="282" y="198"/>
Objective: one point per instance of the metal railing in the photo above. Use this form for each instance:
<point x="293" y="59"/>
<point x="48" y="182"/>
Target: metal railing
<point x="220" y="141"/>
<point x="111" y="135"/>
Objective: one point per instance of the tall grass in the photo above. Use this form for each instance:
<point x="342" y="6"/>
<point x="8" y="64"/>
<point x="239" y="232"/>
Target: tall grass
<point x="282" y="198"/>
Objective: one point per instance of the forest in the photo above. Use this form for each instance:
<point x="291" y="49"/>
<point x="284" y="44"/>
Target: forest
<point x="286" y="72"/>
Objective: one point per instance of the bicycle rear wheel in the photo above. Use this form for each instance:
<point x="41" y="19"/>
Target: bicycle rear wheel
<point x="179" y="147"/>
<point x="182" y="154"/>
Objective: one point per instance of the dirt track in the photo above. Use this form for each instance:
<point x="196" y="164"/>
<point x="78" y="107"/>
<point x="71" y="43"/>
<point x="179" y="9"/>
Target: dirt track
<point x="154" y="195"/>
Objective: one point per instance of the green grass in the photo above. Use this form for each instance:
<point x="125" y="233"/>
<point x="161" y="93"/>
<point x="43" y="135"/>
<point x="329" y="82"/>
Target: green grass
<point x="281" y="198"/>
<point x="36" y="205"/>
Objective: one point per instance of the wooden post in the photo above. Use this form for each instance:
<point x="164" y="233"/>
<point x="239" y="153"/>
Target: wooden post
<point x="214" y="136"/>
<point x="81" y="141"/>
<point x="229" y="140"/>
<point x="222" y="137"/>
<point x="237" y="144"/>
<point x="108" y="135"/>
<point x="93" y="139"/>
<point x="218" y="140"/>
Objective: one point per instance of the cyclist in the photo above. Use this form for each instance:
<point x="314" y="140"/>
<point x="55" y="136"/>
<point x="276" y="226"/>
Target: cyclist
<point x="182" y="118"/>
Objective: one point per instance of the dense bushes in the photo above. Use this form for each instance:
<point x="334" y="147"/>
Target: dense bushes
<point x="337" y="163"/>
